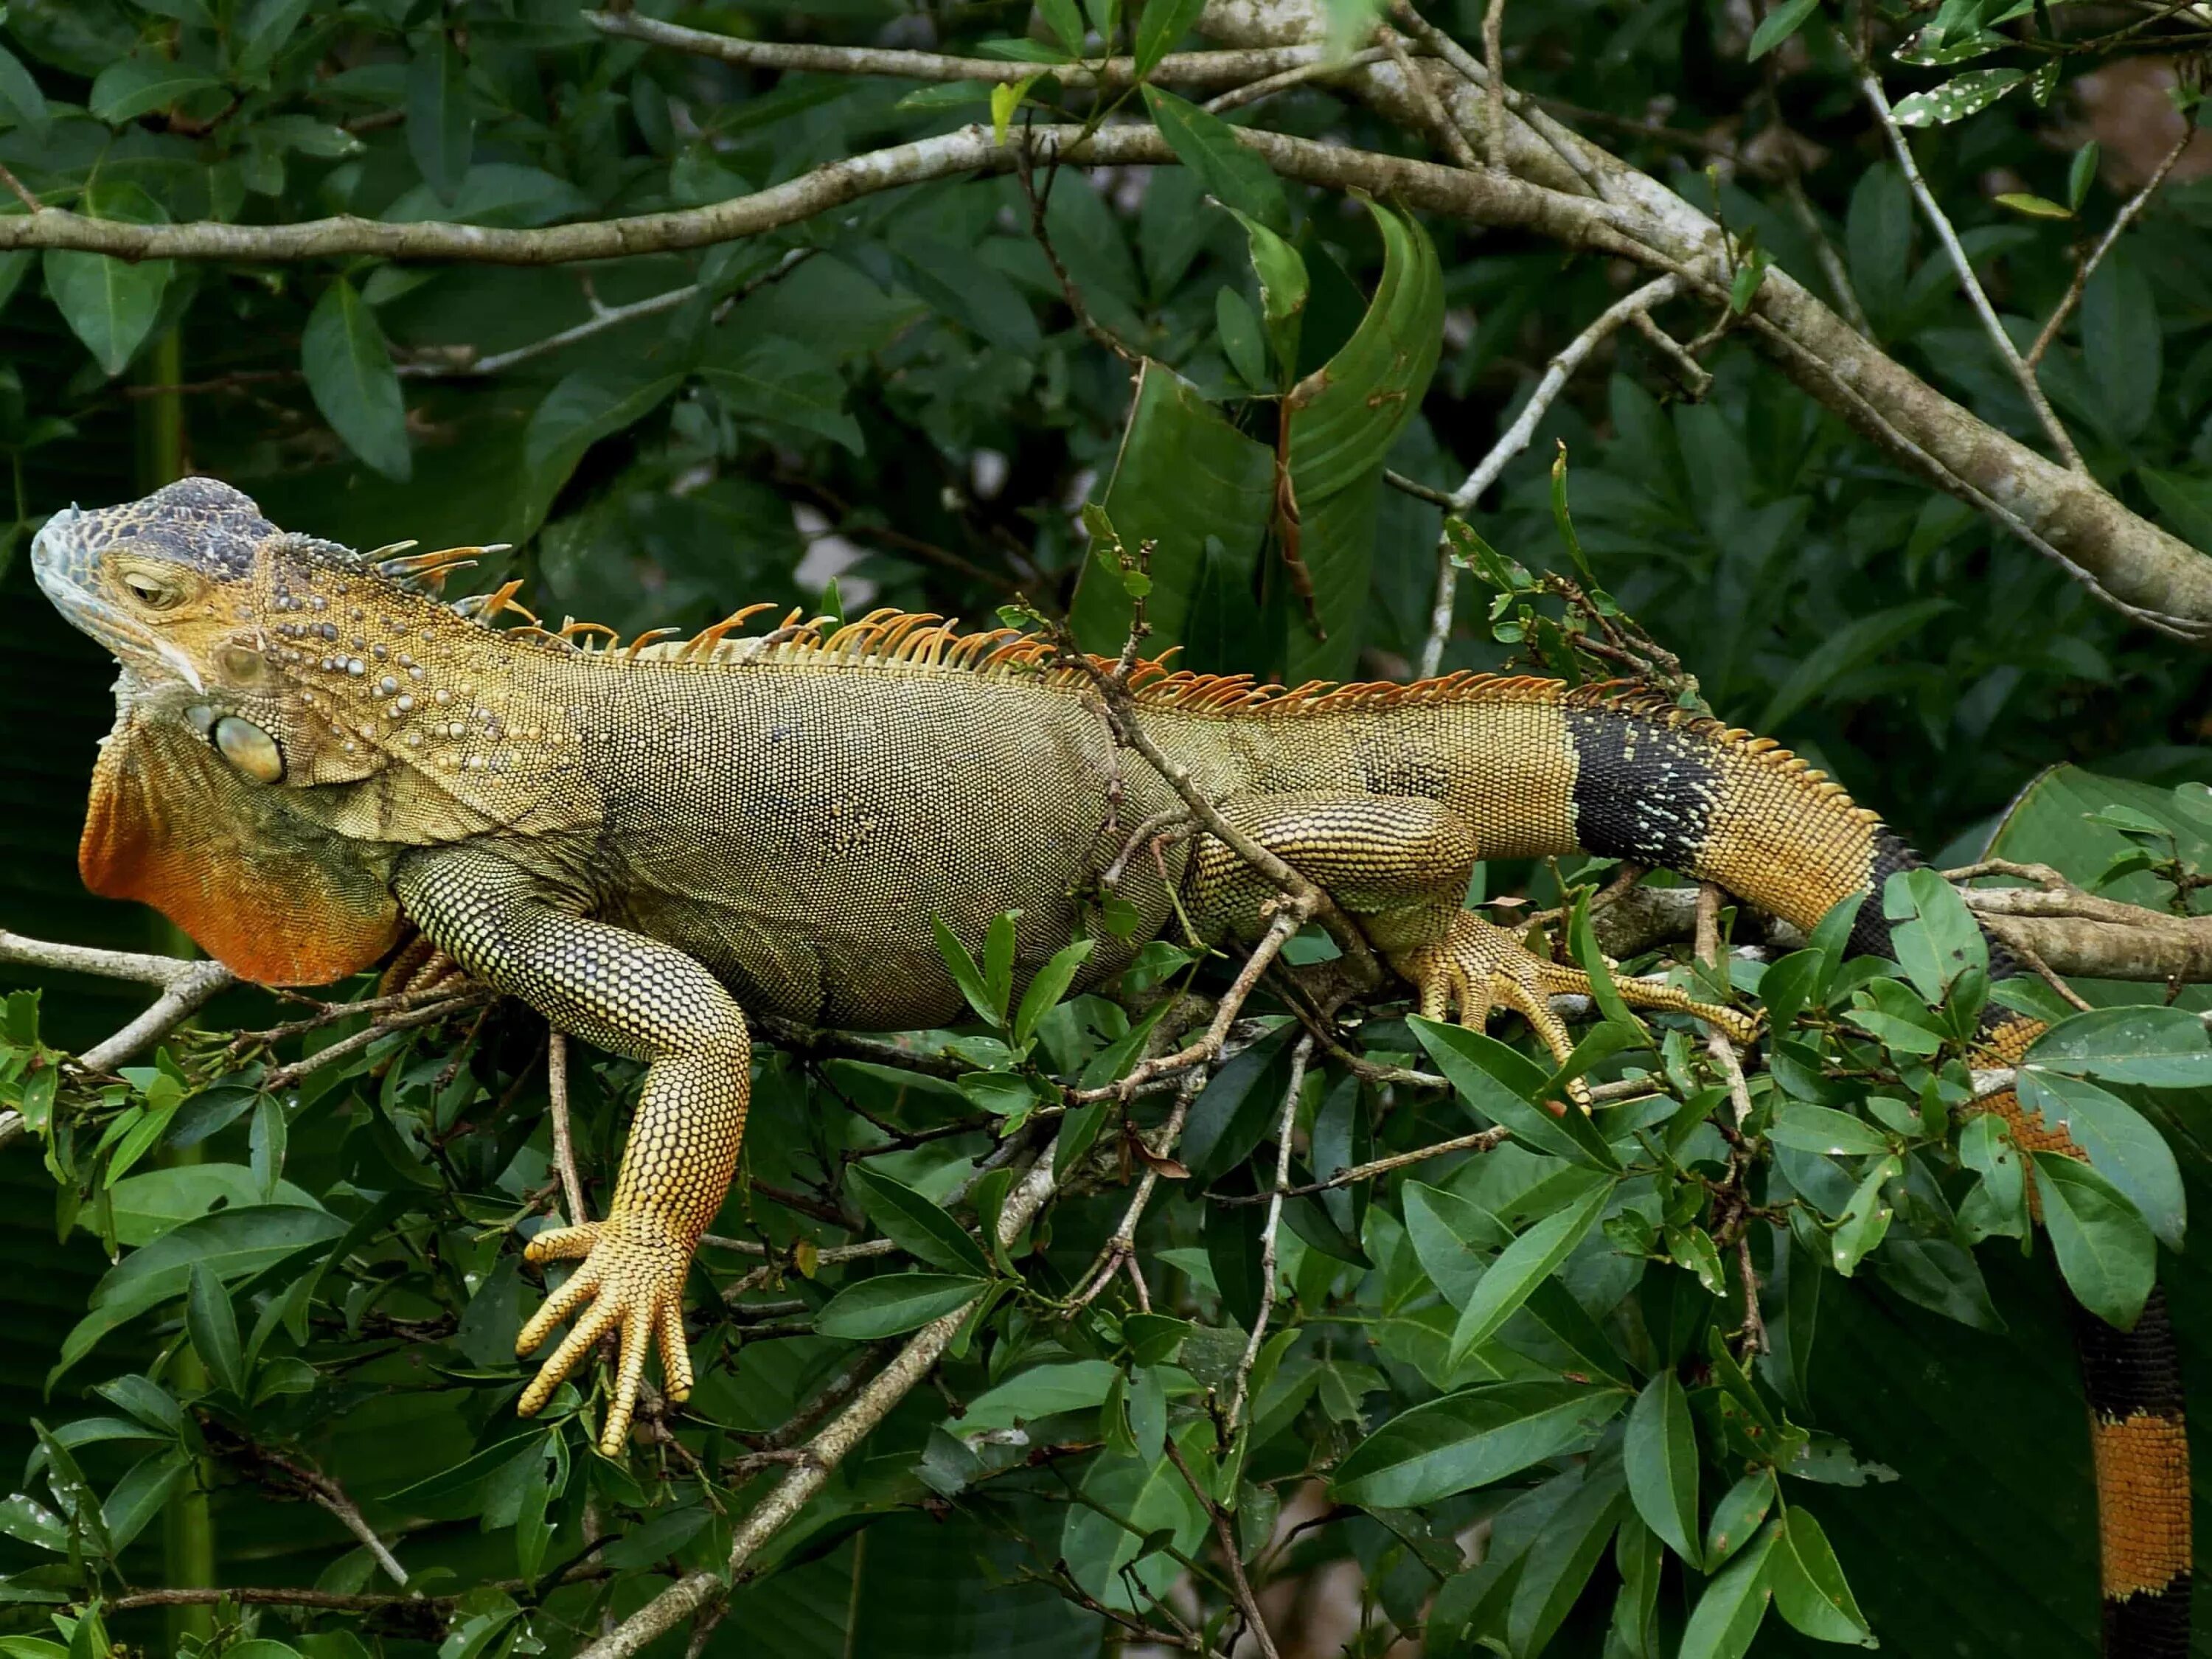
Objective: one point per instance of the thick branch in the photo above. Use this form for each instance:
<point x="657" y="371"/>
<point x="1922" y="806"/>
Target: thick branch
<point x="2076" y="933"/>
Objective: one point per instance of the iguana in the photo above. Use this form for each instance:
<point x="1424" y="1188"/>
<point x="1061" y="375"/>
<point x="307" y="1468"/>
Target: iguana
<point x="640" y="842"/>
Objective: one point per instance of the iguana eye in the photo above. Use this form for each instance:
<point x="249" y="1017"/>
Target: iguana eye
<point x="151" y="591"/>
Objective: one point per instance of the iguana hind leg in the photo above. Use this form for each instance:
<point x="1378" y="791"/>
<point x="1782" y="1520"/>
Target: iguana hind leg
<point x="635" y="996"/>
<point x="1399" y="866"/>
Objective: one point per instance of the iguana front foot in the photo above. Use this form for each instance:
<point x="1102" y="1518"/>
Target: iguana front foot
<point x="1476" y="967"/>
<point x="632" y="1277"/>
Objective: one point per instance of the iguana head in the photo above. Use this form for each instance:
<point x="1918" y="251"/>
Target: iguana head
<point x="198" y="804"/>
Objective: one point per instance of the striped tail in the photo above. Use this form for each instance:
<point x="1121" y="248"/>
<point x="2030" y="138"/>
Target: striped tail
<point x="1654" y="784"/>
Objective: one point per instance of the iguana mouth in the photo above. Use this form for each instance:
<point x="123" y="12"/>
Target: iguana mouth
<point x="66" y="568"/>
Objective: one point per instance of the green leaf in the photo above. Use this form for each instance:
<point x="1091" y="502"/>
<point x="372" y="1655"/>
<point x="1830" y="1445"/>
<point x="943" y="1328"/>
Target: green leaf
<point x="1661" y="1457"/>
<point x="1559" y="1562"/>
<point x="1521" y="1267"/>
<point x="1116" y="1551"/>
<point x="1934" y="938"/>
<point x="1159" y="26"/>
<point x="1582" y="938"/>
<point x="1498" y="1082"/>
<point x="1469" y="1439"/>
<point x="111" y="305"/>
<point x="2104" y="1249"/>
<point x="1778" y="25"/>
<point x="580" y="410"/>
<point x="1238" y="326"/>
<point x="1737" y="1517"/>
<point x="783" y="383"/>
<point x="1809" y="1588"/>
<point x="138" y="86"/>
<point x="916" y="1224"/>
<point x="2082" y="174"/>
<point x="1285" y="288"/>
<point x="1957" y="98"/>
<point x="350" y="374"/>
<point x="2034" y="206"/>
<point x="214" y="1327"/>
<point x="264" y="28"/>
<point x="2122" y="341"/>
<point x="2159" y="1048"/>
<point x="1065" y="21"/>
<point x="998" y="964"/>
<point x="1240" y="1104"/>
<point x="1866" y="1218"/>
<point x="1729" y="1614"/>
<point x="1856" y="643"/>
<point x="21" y="96"/>
<point x="892" y="1302"/>
<point x="232" y="1243"/>
<point x="1823" y="1129"/>
<point x="1049" y="985"/>
<point x="1207" y="145"/>
<point x="440" y="128"/>
<point x="2122" y="1146"/>
<point x="1452" y="1238"/>
<point x="1039" y="1391"/>
<point x="1345" y="418"/>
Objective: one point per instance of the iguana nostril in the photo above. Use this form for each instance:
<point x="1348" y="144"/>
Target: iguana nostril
<point x="250" y="749"/>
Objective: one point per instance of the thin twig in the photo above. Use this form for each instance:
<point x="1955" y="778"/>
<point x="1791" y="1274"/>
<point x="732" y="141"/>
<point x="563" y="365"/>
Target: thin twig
<point x="17" y="189"/>
<point x="186" y="984"/>
<point x="1299" y="1056"/>
<point x="1515" y="439"/>
<point x="564" y="1145"/>
<point x="1224" y="1536"/>
<point x="1717" y="1045"/>
<point x="2128" y="209"/>
<point x="1424" y="95"/>
<point x="1298" y="74"/>
<point x="1122" y="1246"/>
<point x="1970" y="284"/>
<point x="1482" y="1141"/>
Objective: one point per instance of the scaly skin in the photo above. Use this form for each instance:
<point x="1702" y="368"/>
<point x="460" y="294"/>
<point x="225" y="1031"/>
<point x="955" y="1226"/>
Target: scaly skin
<point x="639" y="843"/>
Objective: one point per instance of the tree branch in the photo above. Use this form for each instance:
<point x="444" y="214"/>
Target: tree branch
<point x="1515" y="439"/>
<point x="1177" y="69"/>
<point x="2139" y="567"/>
<point x="186" y="984"/>
<point x="1970" y="284"/>
<point x="1299" y="1056"/>
<point x="2134" y="205"/>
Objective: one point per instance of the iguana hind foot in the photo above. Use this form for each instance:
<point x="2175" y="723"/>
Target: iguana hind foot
<point x="1478" y="966"/>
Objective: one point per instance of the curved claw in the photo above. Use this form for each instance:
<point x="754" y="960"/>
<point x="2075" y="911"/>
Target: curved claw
<point x="632" y="1278"/>
<point x="1477" y="966"/>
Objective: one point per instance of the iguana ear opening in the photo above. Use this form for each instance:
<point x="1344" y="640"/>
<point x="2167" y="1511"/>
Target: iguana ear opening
<point x="274" y="898"/>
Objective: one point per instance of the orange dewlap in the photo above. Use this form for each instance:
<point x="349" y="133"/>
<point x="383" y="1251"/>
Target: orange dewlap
<point x="170" y="825"/>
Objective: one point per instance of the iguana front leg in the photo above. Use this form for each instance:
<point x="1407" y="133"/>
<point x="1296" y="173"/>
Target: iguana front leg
<point x="638" y="997"/>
